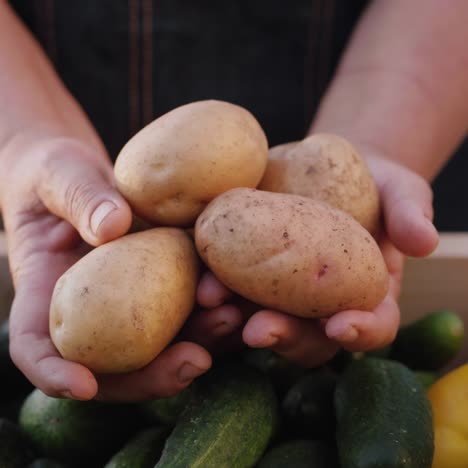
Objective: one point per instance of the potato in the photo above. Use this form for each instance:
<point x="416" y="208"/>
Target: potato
<point x="119" y="306"/>
<point x="173" y="167"/>
<point x="325" y="167"/>
<point x="291" y="253"/>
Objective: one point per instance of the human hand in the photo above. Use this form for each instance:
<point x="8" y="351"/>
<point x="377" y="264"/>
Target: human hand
<point x="58" y="199"/>
<point x="406" y="201"/>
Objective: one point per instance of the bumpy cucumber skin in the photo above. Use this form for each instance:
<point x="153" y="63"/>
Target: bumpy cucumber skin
<point x="431" y="342"/>
<point x="142" y="451"/>
<point x="229" y="423"/>
<point x="300" y="454"/>
<point x="384" y="419"/>
<point x="167" y="410"/>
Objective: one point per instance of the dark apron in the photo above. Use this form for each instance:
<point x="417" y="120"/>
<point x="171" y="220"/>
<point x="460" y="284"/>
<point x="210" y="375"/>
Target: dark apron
<point x="130" y="61"/>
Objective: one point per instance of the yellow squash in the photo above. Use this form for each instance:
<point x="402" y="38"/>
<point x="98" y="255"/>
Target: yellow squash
<point x="449" y="398"/>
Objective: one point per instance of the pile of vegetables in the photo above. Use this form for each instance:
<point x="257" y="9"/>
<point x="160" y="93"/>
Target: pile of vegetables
<point x="294" y="230"/>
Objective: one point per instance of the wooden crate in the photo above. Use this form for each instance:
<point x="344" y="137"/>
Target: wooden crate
<point x="437" y="282"/>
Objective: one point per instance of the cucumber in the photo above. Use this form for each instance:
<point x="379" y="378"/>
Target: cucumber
<point x="16" y="450"/>
<point x="307" y="408"/>
<point x="229" y="423"/>
<point x="384" y="419"/>
<point x="283" y="373"/>
<point x="77" y="433"/>
<point x="142" y="451"/>
<point x="426" y="379"/>
<point x="429" y="343"/>
<point x="300" y="454"/>
<point x="167" y="410"/>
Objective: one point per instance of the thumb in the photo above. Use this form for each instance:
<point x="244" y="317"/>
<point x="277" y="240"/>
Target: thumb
<point x="408" y="212"/>
<point x="80" y="190"/>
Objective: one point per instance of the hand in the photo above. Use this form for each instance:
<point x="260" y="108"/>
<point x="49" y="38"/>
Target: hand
<point x="55" y="193"/>
<point x="408" y="230"/>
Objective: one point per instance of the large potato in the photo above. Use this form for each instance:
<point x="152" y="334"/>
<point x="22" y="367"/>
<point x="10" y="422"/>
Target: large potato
<point x="325" y="167"/>
<point x="120" y="305"/>
<point x="291" y="253"/>
<point x="173" y="167"/>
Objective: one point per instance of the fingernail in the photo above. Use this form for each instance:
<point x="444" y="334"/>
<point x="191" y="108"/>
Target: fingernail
<point x="348" y="335"/>
<point x="223" y="329"/>
<point x="67" y="394"/>
<point x="188" y="372"/>
<point x="266" y="342"/>
<point x="100" y="214"/>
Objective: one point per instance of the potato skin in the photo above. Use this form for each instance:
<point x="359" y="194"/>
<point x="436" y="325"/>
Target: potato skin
<point x="119" y="306"/>
<point x="325" y="167"/>
<point x="291" y="253"/>
<point x="174" y="166"/>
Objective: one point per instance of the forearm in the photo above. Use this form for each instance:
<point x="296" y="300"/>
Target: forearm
<point x="402" y="85"/>
<point x="33" y="100"/>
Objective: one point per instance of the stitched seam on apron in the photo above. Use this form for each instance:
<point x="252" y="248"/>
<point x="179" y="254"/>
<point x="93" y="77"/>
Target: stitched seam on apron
<point x="147" y="59"/>
<point x="133" y="67"/>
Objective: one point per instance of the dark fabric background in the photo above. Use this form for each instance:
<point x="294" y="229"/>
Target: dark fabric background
<point x="273" y="57"/>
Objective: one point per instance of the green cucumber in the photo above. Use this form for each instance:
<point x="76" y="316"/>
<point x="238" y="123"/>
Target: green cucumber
<point x="16" y="450"/>
<point x="426" y="379"/>
<point x="307" y="408"/>
<point x="228" y="424"/>
<point x="300" y="454"/>
<point x="384" y="419"/>
<point x="282" y="372"/>
<point x="167" y="410"/>
<point x="142" y="451"/>
<point x="74" y="432"/>
<point x="429" y="343"/>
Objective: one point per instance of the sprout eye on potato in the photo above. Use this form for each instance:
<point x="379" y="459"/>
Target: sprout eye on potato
<point x="174" y="166"/>
<point x="325" y="167"/>
<point x="119" y="306"/>
<point x="291" y="253"/>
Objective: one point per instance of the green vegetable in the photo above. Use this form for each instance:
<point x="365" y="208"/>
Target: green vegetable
<point x="431" y="342"/>
<point x="426" y="379"/>
<point x="283" y="373"/>
<point x="307" y="408"/>
<point x="76" y="432"/>
<point x="300" y="454"/>
<point x="167" y="410"/>
<point x="142" y="451"/>
<point x="229" y="423"/>
<point x="384" y="418"/>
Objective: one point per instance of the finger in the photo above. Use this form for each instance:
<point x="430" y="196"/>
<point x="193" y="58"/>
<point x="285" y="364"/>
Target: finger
<point x="207" y="327"/>
<point x="394" y="261"/>
<point x="79" y="189"/>
<point x="211" y="292"/>
<point x="172" y="371"/>
<point x="408" y="213"/>
<point x="357" y="330"/>
<point x="34" y="353"/>
<point x="300" y="340"/>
